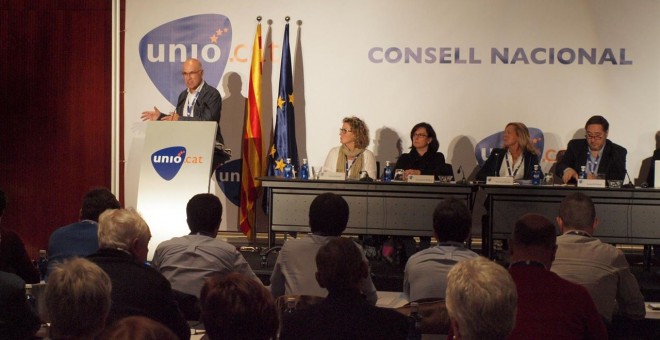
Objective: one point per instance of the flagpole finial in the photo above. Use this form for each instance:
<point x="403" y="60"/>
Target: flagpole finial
<point x="287" y="18"/>
<point x="259" y="18"/>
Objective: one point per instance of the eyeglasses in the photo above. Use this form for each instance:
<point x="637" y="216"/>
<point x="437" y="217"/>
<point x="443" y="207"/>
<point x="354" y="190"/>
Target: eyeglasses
<point x="594" y="137"/>
<point x="343" y="131"/>
<point x="190" y="73"/>
<point x="419" y="135"/>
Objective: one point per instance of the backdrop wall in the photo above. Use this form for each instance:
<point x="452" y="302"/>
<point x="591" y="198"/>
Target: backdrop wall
<point x="466" y="67"/>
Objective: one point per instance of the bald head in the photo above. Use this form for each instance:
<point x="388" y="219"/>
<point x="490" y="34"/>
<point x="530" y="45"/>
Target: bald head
<point x="193" y="73"/>
<point x="534" y="238"/>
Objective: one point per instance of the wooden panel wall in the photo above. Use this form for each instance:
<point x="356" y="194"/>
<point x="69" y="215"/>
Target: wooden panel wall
<point x="55" y="78"/>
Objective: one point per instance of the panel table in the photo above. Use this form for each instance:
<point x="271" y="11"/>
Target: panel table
<point x="376" y="208"/>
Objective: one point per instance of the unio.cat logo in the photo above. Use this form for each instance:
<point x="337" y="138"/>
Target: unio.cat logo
<point x="206" y="37"/>
<point x="168" y="161"/>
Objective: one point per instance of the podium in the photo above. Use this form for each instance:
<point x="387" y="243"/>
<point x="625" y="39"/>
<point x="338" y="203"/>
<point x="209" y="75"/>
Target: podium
<point x="176" y="163"/>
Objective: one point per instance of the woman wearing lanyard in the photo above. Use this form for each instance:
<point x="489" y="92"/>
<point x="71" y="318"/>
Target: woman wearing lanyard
<point x="516" y="159"/>
<point x="352" y="157"/>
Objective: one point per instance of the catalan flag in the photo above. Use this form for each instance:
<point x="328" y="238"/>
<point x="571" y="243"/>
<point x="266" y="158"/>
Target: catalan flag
<point x="252" y="143"/>
<point x="284" y="137"/>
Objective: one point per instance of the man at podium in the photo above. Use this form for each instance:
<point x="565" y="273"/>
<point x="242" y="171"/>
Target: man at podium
<point x="198" y="102"/>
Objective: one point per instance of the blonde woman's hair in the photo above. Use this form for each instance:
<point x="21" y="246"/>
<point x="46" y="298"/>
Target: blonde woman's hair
<point x="360" y="130"/>
<point x="524" y="139"/>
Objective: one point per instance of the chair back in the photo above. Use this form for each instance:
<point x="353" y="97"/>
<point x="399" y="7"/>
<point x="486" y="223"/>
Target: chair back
<point x="435" y="319"/>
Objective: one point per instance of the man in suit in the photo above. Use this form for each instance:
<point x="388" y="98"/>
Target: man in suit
<point x="595" y="152"/>
<point x="549" y="307"/>
<point x="198" y="102"/>
<point x="344" y="314"/>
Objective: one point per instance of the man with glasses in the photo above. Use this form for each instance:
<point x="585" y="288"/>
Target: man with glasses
<point x="595" y="152"/>
<point x="198" y="102"/>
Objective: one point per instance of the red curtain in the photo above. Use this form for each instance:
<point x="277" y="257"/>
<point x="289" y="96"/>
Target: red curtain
<point x="55" y="83"/>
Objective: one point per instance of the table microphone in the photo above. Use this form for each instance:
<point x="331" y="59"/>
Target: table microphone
<point x="630" y="182"/>
<point x="460" y="171"/>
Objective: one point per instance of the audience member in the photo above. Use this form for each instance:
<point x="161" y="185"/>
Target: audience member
<point x="137" y="289"/>
<point x="344" y="314"/>
<point x="18" y="320"/>
<point x="425" y="275"/>
<point x="294" y="270"/>
<point x="481" y="300"/>
<point x="236" y="307"/>
<point x="77" y="299"/>
<point x="138" y="328"/>
<point x="595" y="152"/>
<point x="13" y="257"/>
<point x="187" y="261"/>
<point x="549" y="307"/>
<point x="80" y="238"/>
<point x="600" y="267"/>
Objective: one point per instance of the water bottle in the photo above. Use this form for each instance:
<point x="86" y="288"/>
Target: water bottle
<point x="304" y="170"/>
<point x="42" y="265"/>
<point x="537" y="175"/>
<point x="414" y="322"/>
<point x="387" y="172"/>
<point x="288" y="169"/>
<point x="31" y="300"/>
<point x="583" y="172"/>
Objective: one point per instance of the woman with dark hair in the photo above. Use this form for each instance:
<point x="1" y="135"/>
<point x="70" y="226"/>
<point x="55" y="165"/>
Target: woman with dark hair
<point x="423" y="158"/>
<point x="517" y="157"/>
<point x="352" y="156"/>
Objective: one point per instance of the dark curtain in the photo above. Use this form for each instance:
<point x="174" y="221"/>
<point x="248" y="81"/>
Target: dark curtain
<point x="55" y="83"/>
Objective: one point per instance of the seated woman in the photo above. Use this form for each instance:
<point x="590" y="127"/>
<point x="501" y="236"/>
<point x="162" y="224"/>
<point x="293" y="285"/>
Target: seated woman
<point x="423" y="158"/>
<point x="516" y="159"/>
<point x="352" y="157"/>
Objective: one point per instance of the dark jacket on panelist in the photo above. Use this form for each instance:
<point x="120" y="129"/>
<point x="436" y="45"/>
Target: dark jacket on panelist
<point x="612" y="162"/>
<point x="431" y="163"/>
<point x="494" y="162"/>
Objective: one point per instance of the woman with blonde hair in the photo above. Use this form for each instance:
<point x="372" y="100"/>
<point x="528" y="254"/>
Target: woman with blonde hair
<point x="352" y="156"/>
<point x="515" y="159"/>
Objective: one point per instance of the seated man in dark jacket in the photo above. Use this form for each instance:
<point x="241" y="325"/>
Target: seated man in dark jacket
<point x="595" y="152"/>
<point x="137" y="289"/>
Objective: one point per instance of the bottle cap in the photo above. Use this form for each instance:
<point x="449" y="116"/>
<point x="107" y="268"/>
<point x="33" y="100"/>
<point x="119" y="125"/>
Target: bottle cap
<point x="304" y="160"/>
<point x="42" y="252"/>
<point x="387" y="163"/>
<point x="288" y="160"/>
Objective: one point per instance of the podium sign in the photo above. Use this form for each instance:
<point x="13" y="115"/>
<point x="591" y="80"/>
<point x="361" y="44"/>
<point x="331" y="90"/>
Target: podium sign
<point x="176" y="165"/>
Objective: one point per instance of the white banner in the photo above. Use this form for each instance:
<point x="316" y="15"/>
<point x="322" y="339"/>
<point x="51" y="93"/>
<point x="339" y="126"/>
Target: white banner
<point x="466" y="67"/>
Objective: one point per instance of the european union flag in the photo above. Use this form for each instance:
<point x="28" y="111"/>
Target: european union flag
<point x="284" y="138"/>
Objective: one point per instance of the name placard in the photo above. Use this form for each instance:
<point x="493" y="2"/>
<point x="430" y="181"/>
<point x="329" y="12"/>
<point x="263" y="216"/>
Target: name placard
<point x="420" y="179"/>
<point x="591" y="183"/>
<point x="332" y="176"/>
<point x="656" y="180"/>
<point x="505" y="180"/>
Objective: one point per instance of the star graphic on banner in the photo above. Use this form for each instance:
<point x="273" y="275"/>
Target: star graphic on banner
<point x="273" y="151"/>
<point x="291" y="98"/>
<point x="226" y="29"/>
<point x="279" y="164"/>
<point x="214" y="39"/>
<point x="280" y="103"/>
<point x="218" y="32"/>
